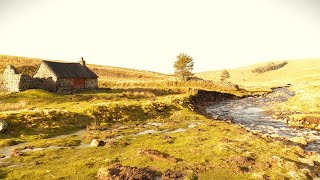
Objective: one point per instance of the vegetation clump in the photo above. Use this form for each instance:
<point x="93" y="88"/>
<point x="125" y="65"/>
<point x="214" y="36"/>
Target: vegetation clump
<point x="269" y="67"/>
<point x="183" y="67"/>
<point x="224" y="75"/>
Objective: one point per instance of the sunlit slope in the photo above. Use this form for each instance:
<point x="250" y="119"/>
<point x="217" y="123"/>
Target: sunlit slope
<point x="295" y="72"/>
<point x="125" y="74"/>
<point x="29" y="66"/>
<point x="303" y="75"/>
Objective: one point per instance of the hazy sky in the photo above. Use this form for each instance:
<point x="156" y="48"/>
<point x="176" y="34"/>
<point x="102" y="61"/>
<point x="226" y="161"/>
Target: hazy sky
<point x="148" y="34"/>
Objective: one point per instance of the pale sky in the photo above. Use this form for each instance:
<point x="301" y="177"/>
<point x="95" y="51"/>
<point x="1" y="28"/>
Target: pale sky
<point x="149" y="34"/>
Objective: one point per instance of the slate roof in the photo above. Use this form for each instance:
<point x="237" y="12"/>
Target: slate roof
<point x="69" y="69"/>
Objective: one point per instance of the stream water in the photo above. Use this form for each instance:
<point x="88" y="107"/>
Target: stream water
<point x="249" y="112"/>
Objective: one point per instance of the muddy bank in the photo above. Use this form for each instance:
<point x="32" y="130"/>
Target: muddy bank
<point x="203" y="99"/>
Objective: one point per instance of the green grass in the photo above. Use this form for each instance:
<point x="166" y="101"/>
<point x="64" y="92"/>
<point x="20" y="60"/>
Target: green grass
<point x="202" y="152"/>
<point x="207" y="151"/>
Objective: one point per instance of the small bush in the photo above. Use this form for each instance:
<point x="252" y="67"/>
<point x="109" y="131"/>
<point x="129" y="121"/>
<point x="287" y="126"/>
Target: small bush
<point x="269" y="67"/>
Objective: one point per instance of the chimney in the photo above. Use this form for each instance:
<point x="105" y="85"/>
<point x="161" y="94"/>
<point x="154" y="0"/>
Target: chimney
<point x="82" y="62"/>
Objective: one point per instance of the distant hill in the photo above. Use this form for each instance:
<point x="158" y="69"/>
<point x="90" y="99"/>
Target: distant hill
<point x="24" y="65"/>
<point x="29" y="66"/>
<point x="295" y="72"/>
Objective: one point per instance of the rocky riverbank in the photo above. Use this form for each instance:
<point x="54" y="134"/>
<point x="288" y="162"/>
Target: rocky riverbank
<point x="249" y="112"/>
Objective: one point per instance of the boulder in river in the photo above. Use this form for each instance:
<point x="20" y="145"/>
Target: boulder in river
<point x="225" y="117"/>
<point x="3" y="125"/>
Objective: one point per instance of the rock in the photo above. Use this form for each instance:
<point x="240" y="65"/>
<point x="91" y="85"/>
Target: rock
<point x="296" y="175"/>
<point x="3" y="125"/>
<point x="244" y="161"/>
<point x="229" y="117"/>
<point x="275" y="135"/>
<point x="95" y="143"/>
<point x="315" y="157"/>
<point x="119" y="172"/>
<point x="311" y="120"/>
<point x="219" y="117"/>
<point x="16" y="153"/>
<point x="157" y="155"/>
<point x="300" y="140"/>
<point x="243" y="169"/>
<point x="169" y="175"/>
<point x="307" y="161"/>
<point x="277" y="113"/>
<point x="224" y="117"/>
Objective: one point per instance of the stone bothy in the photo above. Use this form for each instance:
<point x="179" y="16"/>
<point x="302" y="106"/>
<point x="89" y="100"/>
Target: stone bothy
<point x="54" y="76"/>
<point x="67" y="75"/>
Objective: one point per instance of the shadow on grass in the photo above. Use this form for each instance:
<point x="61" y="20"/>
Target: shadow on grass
<point x="3" y="174"/>
<point x="43" y="124"/>
<point x="121" y="113"/>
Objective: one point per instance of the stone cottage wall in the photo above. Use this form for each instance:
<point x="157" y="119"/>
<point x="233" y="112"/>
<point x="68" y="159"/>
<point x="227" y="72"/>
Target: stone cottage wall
<point x="44" y="72"/>
<point x="91" y="83"/>
<point x="64" y="86"/>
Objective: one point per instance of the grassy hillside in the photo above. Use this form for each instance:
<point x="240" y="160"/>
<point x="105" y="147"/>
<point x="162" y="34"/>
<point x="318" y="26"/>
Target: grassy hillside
<point x="303" y="75"/>
<point x="295" y="72"/>
<point x="106" y="73"/>
<point x="24" y="65"/>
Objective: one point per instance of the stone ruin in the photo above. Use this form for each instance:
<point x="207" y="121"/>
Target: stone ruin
<point x="12" y="81"/>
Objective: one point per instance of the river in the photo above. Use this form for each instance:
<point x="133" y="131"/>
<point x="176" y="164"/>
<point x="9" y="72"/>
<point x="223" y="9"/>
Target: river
<point x="249" y="112"/>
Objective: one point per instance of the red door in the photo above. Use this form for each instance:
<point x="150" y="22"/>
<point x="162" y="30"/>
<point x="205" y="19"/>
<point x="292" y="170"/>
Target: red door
<point x="78" y="82"/>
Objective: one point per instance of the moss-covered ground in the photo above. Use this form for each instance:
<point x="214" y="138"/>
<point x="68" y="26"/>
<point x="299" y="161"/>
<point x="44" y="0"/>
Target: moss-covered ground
<point x="208" y="149"/>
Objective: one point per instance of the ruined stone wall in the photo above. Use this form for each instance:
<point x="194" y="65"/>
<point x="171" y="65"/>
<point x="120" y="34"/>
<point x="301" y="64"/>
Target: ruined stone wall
<point x="11" y="79"/>
<point x="25" y="82"/>
<point x="42" y="83"/>
<point x="91" y="83"/>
